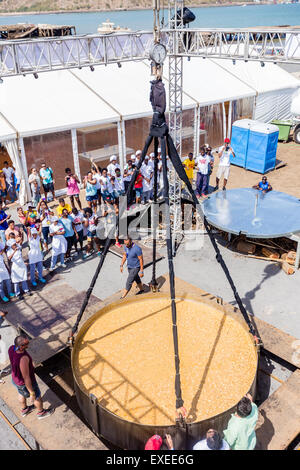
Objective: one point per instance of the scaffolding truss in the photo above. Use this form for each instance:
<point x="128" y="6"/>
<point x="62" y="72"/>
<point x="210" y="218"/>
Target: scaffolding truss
<point x="268" y="45"/>
<point x="25" y="56"/>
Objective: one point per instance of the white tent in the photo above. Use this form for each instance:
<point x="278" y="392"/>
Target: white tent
<point x="63" y="100"/>
<point x="208" y="84"/>
<point x="274" y="87"/>
<point x="6" y="130"/>
<point x="55" y="101"/>
<point x="73" y="99"/>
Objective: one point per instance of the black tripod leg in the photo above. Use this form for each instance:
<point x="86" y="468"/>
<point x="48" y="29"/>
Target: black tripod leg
<point x="182" y="175"/>
<point x="179" y="400"/>
<point x="154" y="221"/>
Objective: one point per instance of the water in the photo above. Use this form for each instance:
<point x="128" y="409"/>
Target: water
<point x="218" y="17"/>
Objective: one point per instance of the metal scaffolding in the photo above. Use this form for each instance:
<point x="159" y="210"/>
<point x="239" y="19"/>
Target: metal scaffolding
<point x="175" y="109"/>
<point x="27" y="56"/>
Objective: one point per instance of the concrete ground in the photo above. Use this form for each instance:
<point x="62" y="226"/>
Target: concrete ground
<point x="264" y="288"/>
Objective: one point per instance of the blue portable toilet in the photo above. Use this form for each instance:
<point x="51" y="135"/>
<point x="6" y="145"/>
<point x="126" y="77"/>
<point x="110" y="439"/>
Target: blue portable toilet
<point x="239" y="141"/>
<point x="255" y="145"/>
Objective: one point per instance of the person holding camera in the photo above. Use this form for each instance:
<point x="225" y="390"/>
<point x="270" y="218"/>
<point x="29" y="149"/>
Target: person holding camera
<point x="73" y="191"/>
<point x="224" y="165"/>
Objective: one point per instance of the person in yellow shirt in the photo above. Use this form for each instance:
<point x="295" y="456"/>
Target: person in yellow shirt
<point x="63" y="205"/>
<point x="189" y="165"/>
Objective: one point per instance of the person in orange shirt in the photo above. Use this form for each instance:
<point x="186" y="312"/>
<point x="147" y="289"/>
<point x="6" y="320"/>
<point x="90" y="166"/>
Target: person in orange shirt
<point x="189" y="165"/>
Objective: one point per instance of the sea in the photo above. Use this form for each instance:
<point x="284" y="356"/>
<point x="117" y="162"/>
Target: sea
<point x="206" y="17"/>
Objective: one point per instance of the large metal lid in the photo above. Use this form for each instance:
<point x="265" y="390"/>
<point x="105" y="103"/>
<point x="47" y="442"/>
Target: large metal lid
<point x="253" y="213"/>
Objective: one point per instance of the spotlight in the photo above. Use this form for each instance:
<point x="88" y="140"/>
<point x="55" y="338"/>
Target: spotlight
<point x="233" y="61"/>
<point x="92" y="68"/>
<point x="262" y="64"/>
<point x="246" y="61"/>
<point x="1" y="80"/>
<point x="119" y="65"/>
<point x="35" y="75"/>
<point x="79" y="68"/>
<point x="189" y="58"/>
<point x="186" y="16"/>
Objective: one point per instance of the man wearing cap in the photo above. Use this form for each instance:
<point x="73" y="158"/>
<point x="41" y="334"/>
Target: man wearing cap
<point x="135" y="265"/>
<point x="138" y="154"/>
<point x="111" y="168"/>
<point x="224" y="165"/>
<point x="202" y="163"/>
<point x="151" y="159"/>
<point x="18" y="267"/>
<point x="35" y="256"/>
<point x="147" y="173"/>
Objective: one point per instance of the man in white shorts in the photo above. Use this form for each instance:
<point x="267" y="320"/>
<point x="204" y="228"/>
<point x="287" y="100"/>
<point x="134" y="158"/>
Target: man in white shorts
<point x="224" y="165"/>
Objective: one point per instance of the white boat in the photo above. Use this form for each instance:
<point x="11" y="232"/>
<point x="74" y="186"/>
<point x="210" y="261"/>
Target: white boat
<point x="108" y="27"/>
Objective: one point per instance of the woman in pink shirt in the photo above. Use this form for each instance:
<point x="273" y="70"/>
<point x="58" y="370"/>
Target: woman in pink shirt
<point x="73" y="190"/>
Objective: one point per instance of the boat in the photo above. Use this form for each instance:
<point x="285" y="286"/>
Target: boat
<point x="108" y="27"/>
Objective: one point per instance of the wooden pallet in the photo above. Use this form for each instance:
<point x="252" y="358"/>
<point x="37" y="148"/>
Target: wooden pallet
<point x="48" y="317"/>
<point x="279" y="416"/>
<point x="62" y="431"/>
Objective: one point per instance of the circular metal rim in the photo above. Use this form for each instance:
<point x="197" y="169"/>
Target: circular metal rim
<point x="114" y="305"/>
<point x="242" y="232"/>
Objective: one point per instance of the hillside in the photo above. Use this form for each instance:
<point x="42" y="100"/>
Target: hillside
<point x="90" y="5"/>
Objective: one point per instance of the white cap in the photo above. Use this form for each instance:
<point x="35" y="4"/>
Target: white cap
<point x="159" y="150"/>
<point x="11" y="242"/>
<point x="147" y="156"/>
<point x="132" y="156"/>
<point x="54" y="218"/>
<point x="112" y="158"/>
<point x="34" y="231"/>
<point x="152" y="154"/>
<point x="138" y="152"/>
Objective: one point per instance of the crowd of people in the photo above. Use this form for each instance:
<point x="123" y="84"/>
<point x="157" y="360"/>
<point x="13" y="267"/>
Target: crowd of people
<point x="101" y="185"/>
<point x="66" y="227"/>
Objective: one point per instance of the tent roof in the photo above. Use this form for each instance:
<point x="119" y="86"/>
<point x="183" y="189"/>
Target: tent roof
<point x="206" y="82"/>
<point x="55" y="101"/>
<point x="6" y="131"/>
<point x="75" y="98"/>
<point x="271" y="77"/>
<point x="126" y="89"/>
